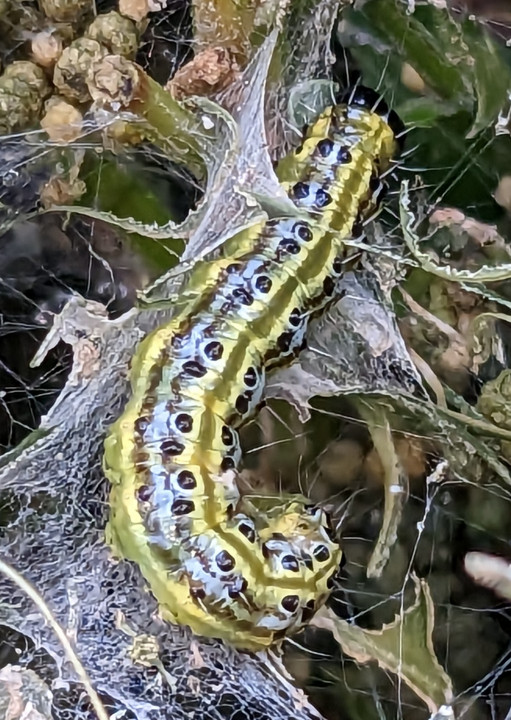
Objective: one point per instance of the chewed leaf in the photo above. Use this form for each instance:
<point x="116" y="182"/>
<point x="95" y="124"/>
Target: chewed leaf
<point x="490" y="571"/>
<point x="195" y="135"/>
<point x="395" y="483"/>
<point x="404" y="647"/>
<point x="486" y="273"/>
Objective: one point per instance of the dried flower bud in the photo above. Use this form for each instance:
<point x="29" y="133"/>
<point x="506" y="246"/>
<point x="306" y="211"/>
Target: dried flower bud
<point x="67" y="10"/>
<point x="113" y="80"/>
<point x="73" y="66"/>
<point x="210" y="71"/>
<point x="59" y="191"/>
<point x="135" y="9"/>
<point x="46" y="48"/>
<point x="65" y="32"/>
<point x="62" y="121"/>
<point x="122" y="133"/>
<point x="23" y="87"/>
<point x="118" y="34"/>
<point x="29" y="73"/>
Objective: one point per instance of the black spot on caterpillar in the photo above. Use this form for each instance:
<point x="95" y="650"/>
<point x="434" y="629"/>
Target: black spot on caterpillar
<point x="211" y="559"/>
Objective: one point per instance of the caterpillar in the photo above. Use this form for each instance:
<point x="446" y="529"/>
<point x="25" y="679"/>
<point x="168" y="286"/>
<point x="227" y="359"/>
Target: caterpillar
<point x="227" y="566"/>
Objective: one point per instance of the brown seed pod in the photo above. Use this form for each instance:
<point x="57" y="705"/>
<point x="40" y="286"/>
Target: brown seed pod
<point x="46" y="48"/>
<point x="23" y="88"/>
<point x="210" y="71"/>
<point x="62" y="121"/>
<point x="62" y="191"/>
<point x="67" y="10"/>
<point x="73" y="67"/>
<point x="135" y="9"/>
<point x="113" y="80"/>
<point x="115" y="32"/>
<point x="139" y="9"/>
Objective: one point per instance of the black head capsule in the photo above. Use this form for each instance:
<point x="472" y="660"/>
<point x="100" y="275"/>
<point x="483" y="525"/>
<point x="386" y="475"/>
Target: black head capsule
<point x="372" y="101"/>
<point x="364" y="97"/>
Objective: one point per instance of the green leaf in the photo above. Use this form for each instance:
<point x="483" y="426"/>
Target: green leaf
<point x="122" y="189"/>
<point x="404" y="647"/>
